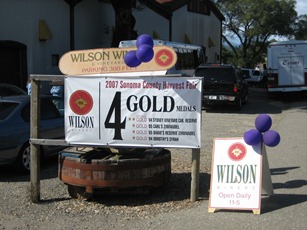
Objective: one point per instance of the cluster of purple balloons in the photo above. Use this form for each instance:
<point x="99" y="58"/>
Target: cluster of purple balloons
<point x="263" y="123"/>
<point x="144" y="52"/>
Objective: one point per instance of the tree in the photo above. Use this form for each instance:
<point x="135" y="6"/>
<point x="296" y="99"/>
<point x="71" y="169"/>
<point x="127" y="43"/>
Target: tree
<point x="251" y="23"/>
<point x="301" y="28"/>
<point x="124" y="21"/>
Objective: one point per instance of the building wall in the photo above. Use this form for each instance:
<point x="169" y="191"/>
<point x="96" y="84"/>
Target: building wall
<point x="199" y="28"/>
<point x="196" y="26"/>
<point x="94" y="22"/>
<point x="19" y="21"/>
<point x="148" y="21"/>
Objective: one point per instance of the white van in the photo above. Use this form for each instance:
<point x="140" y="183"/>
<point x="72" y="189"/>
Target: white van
<point x="189" y="56"/>
<point x="287" y="66"/>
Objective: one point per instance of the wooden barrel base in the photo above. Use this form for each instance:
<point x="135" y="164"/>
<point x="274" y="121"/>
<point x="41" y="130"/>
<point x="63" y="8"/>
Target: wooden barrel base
<point x="126" y="171"/>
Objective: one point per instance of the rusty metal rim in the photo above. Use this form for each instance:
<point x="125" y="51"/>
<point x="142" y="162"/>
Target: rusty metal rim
<point x="86" y="172"/>
<point x="116" y="167"/>
<point x="153" y="181"/>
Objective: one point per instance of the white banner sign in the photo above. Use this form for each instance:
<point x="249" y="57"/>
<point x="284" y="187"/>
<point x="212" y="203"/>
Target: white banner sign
<point x="133" y="111"/>
<point x="236" y="175"/>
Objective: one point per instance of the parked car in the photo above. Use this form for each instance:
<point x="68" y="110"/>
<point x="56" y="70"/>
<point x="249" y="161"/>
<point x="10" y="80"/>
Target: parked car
<point x="222" y="84"/>
<point x="15" y="129"/>
<point x="247" y="73"/>
<point x="256" y="78"/>
<point x="10" y="90"/>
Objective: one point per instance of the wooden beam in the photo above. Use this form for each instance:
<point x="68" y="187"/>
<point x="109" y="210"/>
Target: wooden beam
<point x="195" y="175"/>
<point x="72" y="4"/>
<point x="56" y="142"/>
<point x="35" y="149"/>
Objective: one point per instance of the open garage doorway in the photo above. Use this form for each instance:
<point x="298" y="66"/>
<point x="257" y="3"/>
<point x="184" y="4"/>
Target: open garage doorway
<point x="13" y="63"/>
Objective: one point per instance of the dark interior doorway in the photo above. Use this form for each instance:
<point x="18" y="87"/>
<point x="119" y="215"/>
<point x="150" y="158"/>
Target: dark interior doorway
<point x="13" y="63"/>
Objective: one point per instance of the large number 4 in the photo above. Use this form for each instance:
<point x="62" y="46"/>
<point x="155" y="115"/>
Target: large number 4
<point x="117" y="125"/>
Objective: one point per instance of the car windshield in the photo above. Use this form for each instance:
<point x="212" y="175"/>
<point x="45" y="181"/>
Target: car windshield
<point x="10" y="90"/>
<point x="245" y="72"/>
<point x="49" y="109"/>
<point x="256" y="73"/>
<point x="6" y="108"/>
<point x="219" y="74"/>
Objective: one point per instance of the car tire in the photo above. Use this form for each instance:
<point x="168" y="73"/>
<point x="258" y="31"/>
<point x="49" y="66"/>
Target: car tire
<point x="22" y="164"/>
<point x="245" y="98"/>
<point x="238" y="105"/>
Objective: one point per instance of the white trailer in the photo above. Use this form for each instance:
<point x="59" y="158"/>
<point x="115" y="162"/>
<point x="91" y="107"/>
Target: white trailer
<point x="287" y="66"/>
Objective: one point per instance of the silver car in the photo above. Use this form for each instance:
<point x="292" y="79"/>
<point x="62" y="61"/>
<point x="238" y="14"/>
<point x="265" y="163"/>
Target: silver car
<point x="15" y="129"/>
<point x="256" y="78"/>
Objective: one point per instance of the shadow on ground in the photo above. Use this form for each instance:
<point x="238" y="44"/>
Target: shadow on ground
<point x="49" y="169"/>
<point x="178" y="189"/>
<point x="279" y="201"/>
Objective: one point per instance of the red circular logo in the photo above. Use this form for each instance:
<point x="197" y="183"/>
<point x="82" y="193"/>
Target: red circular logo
<point x="81" y="102"/>
<point x="237" y="151"/>
<point x="164" y="57"/>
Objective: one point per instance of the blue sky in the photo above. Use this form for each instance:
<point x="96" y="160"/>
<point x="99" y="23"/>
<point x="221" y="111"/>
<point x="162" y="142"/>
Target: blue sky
<point x="301" y="7"/>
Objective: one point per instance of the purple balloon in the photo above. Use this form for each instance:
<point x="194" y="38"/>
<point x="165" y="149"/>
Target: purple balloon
<point x="144" y="53"/>
<point x="144" y="39"/>
<point x="252" y="137"/>
<point x="131" y="60"/>
<point x="271" y="138"/>
<point x="263" y="122"/>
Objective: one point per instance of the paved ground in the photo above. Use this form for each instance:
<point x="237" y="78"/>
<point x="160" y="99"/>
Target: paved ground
<point x="286" y="209"/>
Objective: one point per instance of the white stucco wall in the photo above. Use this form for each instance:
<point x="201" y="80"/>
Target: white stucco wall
<point x="148" y="21"/>
<point x="94" y="22"/>
<point x="20" y="19"/>
<point x="198" y="28"/>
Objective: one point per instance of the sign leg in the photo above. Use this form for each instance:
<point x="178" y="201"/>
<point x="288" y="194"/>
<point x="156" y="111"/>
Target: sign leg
<point x="195" y="175"/>
<point x="35" y="149"/>
<point x="267" y="185"/>
<point x="257" y="211"/>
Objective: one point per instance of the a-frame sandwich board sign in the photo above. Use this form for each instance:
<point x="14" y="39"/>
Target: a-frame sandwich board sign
<point x="238" y="175"/>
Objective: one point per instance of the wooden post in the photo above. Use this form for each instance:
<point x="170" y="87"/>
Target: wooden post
<point x="35" y="149"/>
<point x="195" y="175"/>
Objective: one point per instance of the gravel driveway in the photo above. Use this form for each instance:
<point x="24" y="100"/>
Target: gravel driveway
<point x="170" y="209"/>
